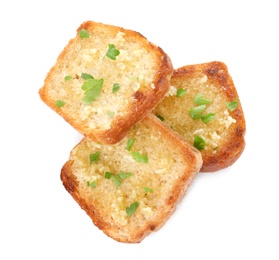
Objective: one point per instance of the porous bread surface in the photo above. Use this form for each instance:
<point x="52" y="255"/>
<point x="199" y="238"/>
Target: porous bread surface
<point x="224" y="136"/>
<point x="141" y="69"/>
<point x="172" y="164"/>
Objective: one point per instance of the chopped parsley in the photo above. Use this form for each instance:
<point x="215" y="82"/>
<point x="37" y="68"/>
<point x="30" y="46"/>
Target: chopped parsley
<point x="94" y="157"/>
<point x="197" y="112"/>
<point x="199" y="143"/>
<point x="108" y="175"/>
<point x="110" y="114"/>
<point x="91" y="184"/>
<point x="161" y="117"/>
<point x="232" y="105"/>
<point x="115" y="88"/>
<point x="86" y="76"/>
<point x="68" y="78"/>
<point x="207" y="118"/>
<point x="112" y="52"/>
<point x="125" y="175"/>
<point x="116" y="179"/>
<point x="59" y="103"/>
<point x="83" y="33"/>
<point x="132" y="208"/>
<point x="199" y="100"/>
<point x="130" y="144"/>
<point x="139" y="158"/>
<point x="92" y="89"/>
<point x="146" y="189"/>
<point x="180" y="92"/>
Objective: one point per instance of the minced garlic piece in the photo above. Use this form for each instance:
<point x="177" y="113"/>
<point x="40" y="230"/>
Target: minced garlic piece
<point x="198" y="131"/>
<point x="203" y="79"/>
<point x="227" y="120"/>
<point x="146" y="211"/>
<point x="172" y="91"/>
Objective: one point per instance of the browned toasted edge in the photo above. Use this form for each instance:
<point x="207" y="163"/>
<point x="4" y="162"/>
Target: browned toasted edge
<point x="194" y="161"/>
<point x="71" y="184"/>
<point x="189" y="152"/>
<point x="145" y="102"/>
<point x="43" y="95"/>
<point x="217" y="71"/>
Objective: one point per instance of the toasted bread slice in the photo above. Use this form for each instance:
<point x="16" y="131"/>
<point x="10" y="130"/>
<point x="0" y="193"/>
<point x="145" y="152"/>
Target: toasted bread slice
<point x="105" y="80"/>
<point x="131" y="188"/>
<point x="197" y="108"/>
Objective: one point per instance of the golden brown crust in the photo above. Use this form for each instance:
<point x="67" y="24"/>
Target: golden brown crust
<point x="235" y="144"/>
<point x="136" y="230"/>
<point x="146" y="98"/>
<point x="217" y="75"/>
<point x="146" y="101"/>
<point x="72" y="186"/>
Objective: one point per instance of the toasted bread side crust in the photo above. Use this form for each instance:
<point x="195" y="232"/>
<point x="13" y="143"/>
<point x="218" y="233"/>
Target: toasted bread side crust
<point x="213" y="81"/>
<point x="170" y="188"/>
<point x="138" y="94"/>
<point x="146" y="101"/>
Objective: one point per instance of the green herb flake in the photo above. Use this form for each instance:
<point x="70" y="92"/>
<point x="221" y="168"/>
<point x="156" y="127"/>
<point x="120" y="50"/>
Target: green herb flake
<point x="232" y="105"/>
<point x="108" y="175"/>
<point x="91" y="184"/>
<point x="86" y="76"/>
<point x="60" y="103"/>
<point x="125" y="175"/>
<point x="199" y="143"/>
<point x="146" y="189"/>
<point x="94" y="157"/>
<point x="83" y="33"/>
<point x="207" y="118"/>
<point x="112" y="52"/>
<point x="196" y="112"/>
<point x="116" y="179"/>
<point x="132" y="208"/>
<point x="110" y="114"/>
<point x="130" y="144"/>
<point x="181" y="92"/>
<point x="199" y="100"/>
<point x="139" y="158"/>
<point x="161" y="117"/>
<point x="68" y="78"/>
<point x="115" y="88"/>
<point x="92" y="89"/>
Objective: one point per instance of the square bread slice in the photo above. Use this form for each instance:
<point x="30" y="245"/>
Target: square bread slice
<point x="203" y="106"/>
<point x="105" y="80"/>
<point x="131" y="188"/>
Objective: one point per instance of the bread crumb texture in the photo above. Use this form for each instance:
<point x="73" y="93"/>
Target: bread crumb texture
<point x="213" y="82"/>
<point x="133" y="70"/>
<point x="156" y="185"/>
<point x="212" y="132"/>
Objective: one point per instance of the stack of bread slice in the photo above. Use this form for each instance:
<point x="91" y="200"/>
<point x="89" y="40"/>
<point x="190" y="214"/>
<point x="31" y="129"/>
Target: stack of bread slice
<point x="148" y="129"/>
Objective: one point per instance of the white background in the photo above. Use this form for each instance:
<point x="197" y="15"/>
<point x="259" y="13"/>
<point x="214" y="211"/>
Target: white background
<point x="231" y="214"/>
